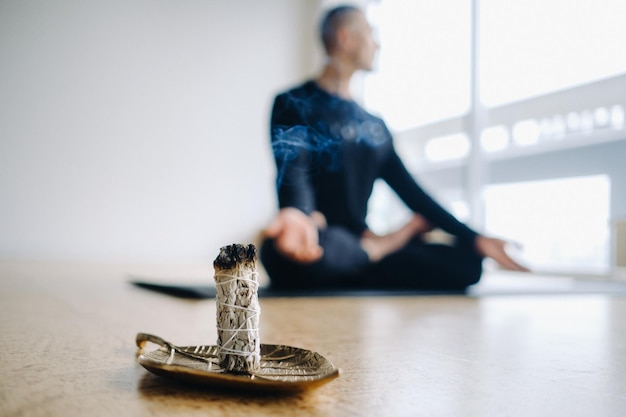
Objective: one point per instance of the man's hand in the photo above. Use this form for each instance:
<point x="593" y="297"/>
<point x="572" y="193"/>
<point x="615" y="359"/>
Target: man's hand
<point x="495" y="248"/>
<point x="295" y="235"/>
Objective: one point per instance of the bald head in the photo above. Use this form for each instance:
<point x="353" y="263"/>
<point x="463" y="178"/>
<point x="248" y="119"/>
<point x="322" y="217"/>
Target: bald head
<point x="335" y="19"/>
<point x="348" y="39"/>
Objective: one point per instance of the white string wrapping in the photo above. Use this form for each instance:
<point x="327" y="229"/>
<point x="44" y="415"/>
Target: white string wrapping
<point x="238" y="313"/>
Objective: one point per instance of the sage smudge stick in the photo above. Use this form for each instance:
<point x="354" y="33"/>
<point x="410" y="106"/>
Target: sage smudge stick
<point x="237" y="304"/>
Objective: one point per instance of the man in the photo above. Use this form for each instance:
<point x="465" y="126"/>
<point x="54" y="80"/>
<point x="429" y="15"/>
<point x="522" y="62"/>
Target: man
<point x="329" y="151"/>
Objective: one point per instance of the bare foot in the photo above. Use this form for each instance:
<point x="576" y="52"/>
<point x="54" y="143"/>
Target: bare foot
<point x="377" y="247"/>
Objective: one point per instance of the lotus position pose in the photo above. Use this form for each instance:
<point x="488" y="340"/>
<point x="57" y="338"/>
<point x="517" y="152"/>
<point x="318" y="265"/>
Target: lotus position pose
<point x="328" y="152"/>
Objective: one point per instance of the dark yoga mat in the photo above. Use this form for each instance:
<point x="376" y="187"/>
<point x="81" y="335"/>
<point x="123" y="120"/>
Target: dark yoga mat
<point x="519" y="284"/>
<point x="200" y="292"/>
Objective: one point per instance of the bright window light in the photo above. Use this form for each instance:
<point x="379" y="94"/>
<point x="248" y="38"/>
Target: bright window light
<point x="553" y="128"/>
<point x="617" y="117"/>
<point x="526" y="132"/>
<point x="460" y="210"/>
<point x="494" y="139"/>
<point x="422" y="74"/>
<point x="533" y="47"/>
<point x="563" y="224"/>
<point x="445" y="148"/>
<point x="601" y="116"/>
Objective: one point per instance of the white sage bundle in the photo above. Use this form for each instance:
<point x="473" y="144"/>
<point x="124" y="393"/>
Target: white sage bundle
<point x="237" y="302"/>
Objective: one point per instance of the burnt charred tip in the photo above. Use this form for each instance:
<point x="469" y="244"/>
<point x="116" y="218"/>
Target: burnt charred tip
<point x="235" y="254"/>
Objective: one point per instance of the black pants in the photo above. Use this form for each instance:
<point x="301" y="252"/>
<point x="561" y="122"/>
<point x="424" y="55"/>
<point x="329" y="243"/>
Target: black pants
<point x="417" y="265"/>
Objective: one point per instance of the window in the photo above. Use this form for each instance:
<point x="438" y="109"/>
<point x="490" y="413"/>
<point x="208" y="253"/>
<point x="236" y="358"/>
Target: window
<point x="562" y="224"/>
<point x="533" y="47"/>
<point x="445" y="148"/>
<point x="552" y="80"/>
<point x="422" y="74"/>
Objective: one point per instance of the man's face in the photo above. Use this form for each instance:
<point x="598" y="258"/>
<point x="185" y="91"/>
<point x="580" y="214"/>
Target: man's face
<point x="362" y="47"/>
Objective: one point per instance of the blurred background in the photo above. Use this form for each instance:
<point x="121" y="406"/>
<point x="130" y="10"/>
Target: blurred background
<point x="137" y="131"/>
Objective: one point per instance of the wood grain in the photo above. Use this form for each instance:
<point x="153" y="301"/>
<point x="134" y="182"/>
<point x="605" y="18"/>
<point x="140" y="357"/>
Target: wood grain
<point x="67" y="348"/>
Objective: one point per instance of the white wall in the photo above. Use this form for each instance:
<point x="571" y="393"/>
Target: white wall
<point x="137" y="130"/>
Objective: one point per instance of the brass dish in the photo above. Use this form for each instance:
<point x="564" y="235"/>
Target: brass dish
<point x="283" y="368"/>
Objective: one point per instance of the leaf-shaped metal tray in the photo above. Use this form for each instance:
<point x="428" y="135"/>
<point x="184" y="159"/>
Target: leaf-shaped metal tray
<point x="283" y="368"/>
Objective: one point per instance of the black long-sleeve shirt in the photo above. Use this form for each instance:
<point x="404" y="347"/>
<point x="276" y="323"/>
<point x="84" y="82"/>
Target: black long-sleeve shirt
<point x="329" y="151"/>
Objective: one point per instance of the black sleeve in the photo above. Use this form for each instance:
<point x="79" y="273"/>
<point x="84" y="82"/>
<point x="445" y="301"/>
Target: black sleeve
<point x="289" y="145"/>
<point x="401" y="181"/>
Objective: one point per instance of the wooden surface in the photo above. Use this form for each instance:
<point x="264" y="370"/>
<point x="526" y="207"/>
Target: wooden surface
<point x="67" y="349"/>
